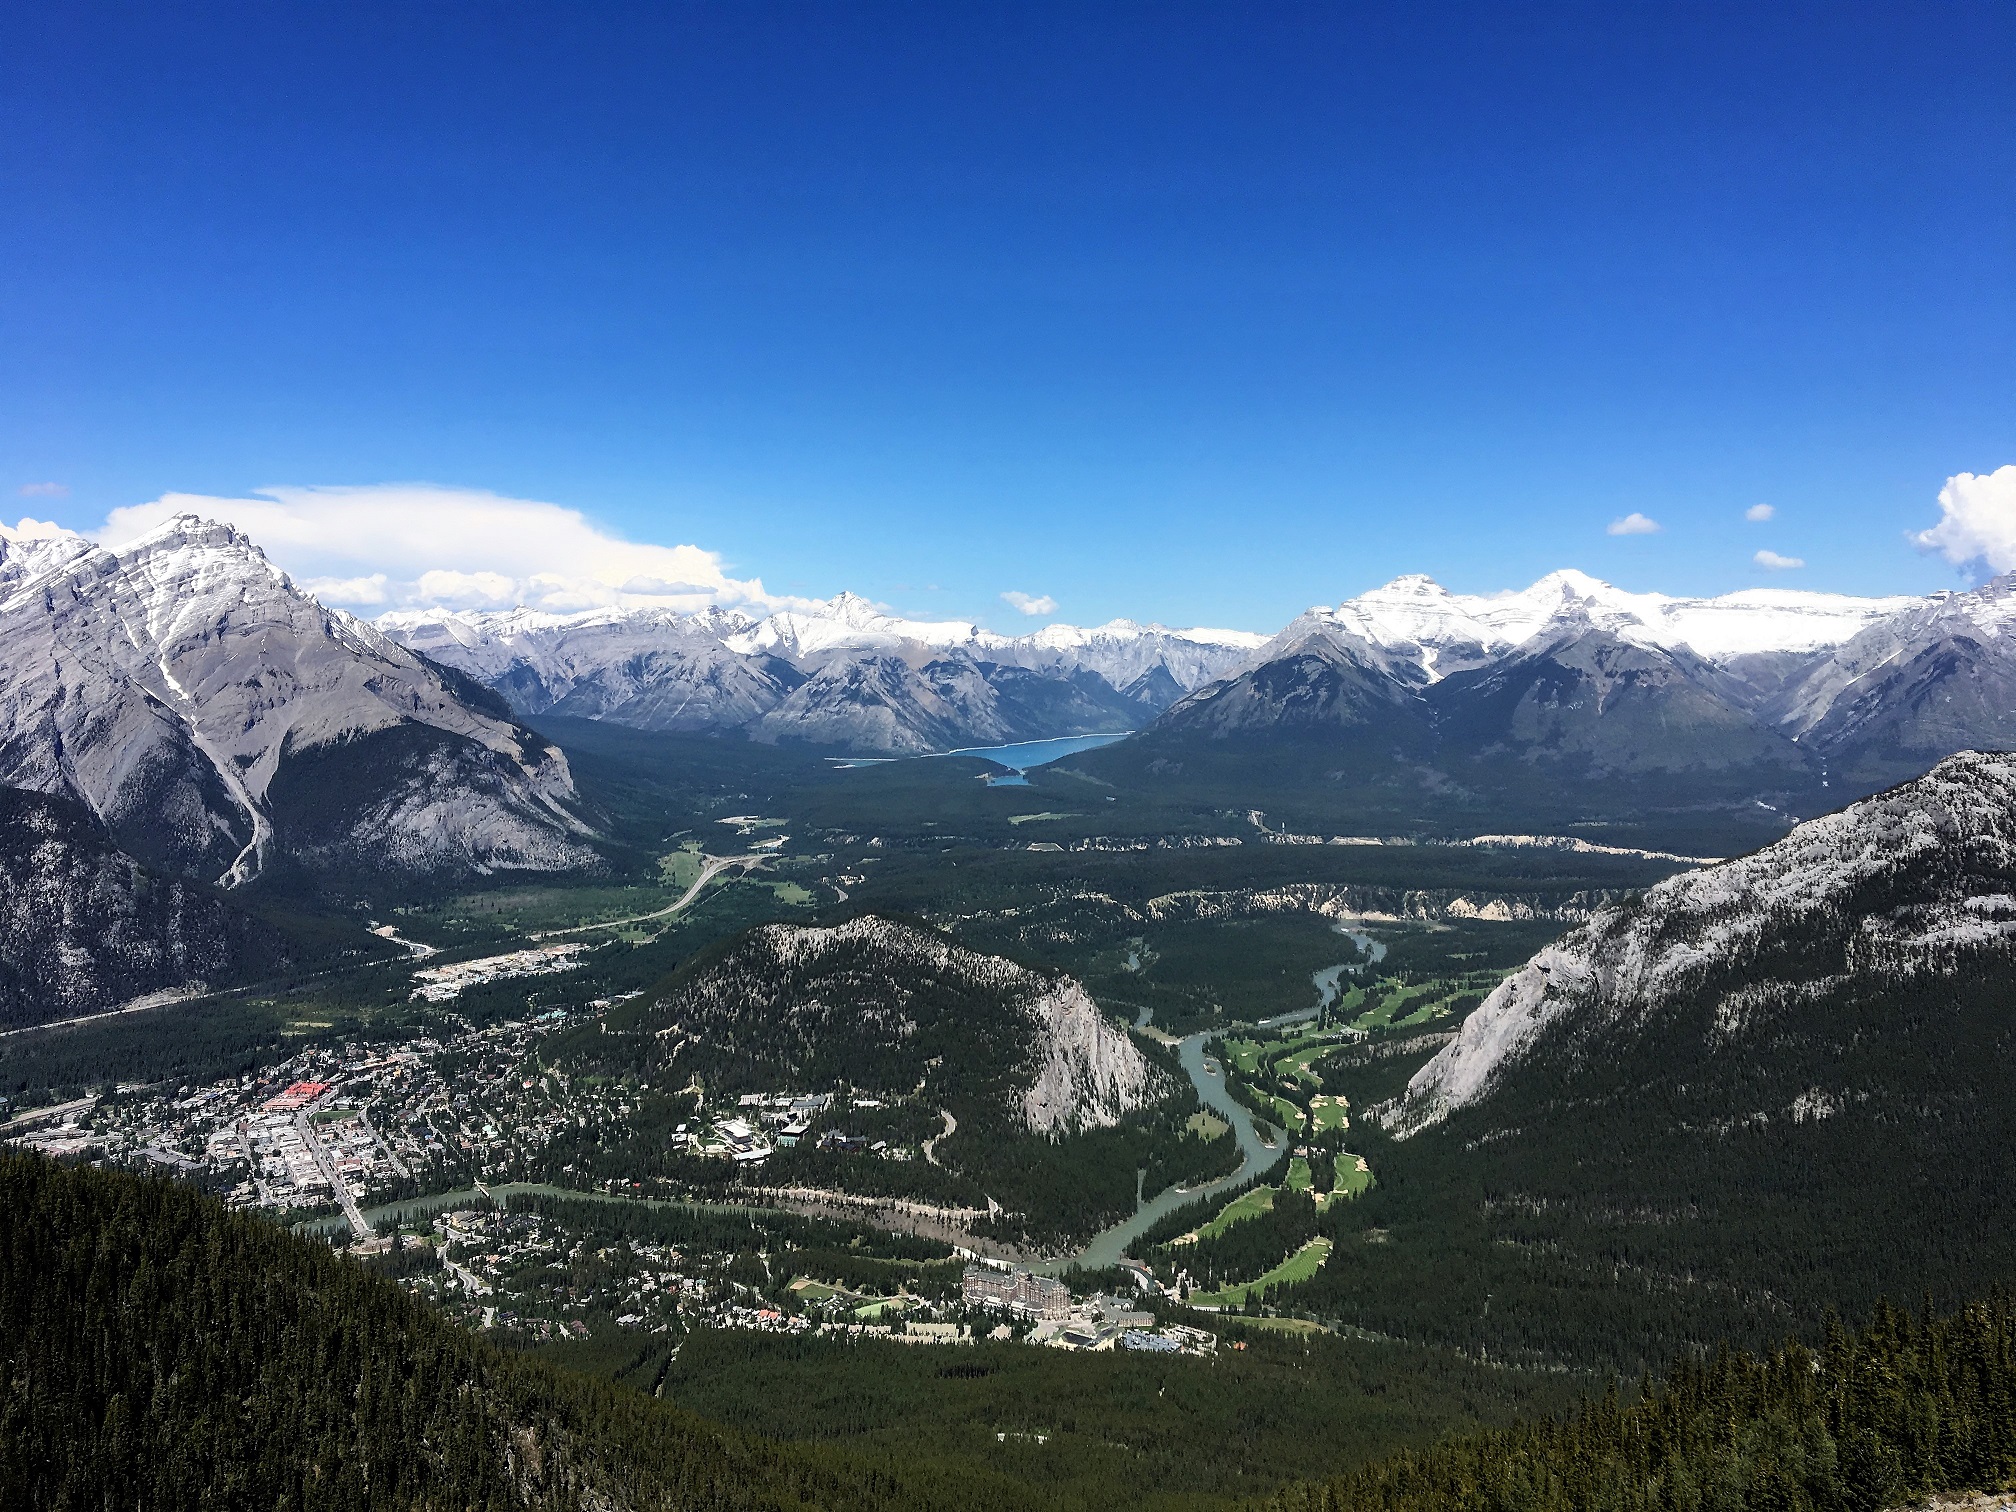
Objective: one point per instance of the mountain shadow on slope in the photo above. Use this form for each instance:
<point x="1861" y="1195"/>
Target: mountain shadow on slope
<point x="85" y="927"/>
<point x="1762" y="1090"/>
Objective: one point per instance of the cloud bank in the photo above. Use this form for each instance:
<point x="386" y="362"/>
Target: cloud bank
<point x="31" y="530"/>
<point x="1634" y="523"/>
<point x="416" y="545"/>
<point x="1030" y="603"/>
<point x="1978" y="521"/>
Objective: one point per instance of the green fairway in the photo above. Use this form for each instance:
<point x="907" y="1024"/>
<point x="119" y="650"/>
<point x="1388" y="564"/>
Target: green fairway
<point x="1299" y="1266"/>
<point x="1244" y="1055"/>
<point x="1300" y="1177"/>
<point x="1206" y="1126"/>
<point x="1297" y="1064"/>
<point x="1353" y="1175"/>
<point x="1291" y="1116"/>
<point x="1247" y="1205"/>
<point x="1330" y="1112"/>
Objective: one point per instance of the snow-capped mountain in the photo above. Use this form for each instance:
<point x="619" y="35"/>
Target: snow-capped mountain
<point x="1917" y="884"/>
<point x="1757" y="699"/>
<point x="1442" y="632"/>
<point x="214" y="717"/>
<point x="1570" y="668"/>
<point x="843" y="673"/>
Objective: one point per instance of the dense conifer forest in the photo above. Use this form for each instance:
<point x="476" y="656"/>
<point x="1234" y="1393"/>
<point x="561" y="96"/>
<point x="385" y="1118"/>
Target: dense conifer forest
<point x="158" y="1352"/>
<point x="1907" y="1406"/>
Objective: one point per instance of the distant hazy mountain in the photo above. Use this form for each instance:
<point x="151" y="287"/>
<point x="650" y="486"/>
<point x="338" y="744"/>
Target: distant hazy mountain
<point x="844" y="674"/>
<point x="214" y="718"/>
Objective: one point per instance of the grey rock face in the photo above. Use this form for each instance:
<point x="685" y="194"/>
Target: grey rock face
<point x="1913" y="883"/>
<point x="168" y="684"/>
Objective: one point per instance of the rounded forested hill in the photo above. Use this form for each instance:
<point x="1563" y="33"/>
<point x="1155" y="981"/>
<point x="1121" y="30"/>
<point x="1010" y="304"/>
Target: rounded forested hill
<point x="882" y="1006"/>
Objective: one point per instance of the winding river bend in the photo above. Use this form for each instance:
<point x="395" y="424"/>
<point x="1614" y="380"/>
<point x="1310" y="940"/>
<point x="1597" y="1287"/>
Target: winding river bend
<point x="1255" y="1156"/>
<point x="1261" y="1145"/>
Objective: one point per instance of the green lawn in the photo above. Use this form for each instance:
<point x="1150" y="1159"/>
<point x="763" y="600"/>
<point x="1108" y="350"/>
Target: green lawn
<point x="1297" y="1064"/>
<point x="1353" y="1175"/>
<point x="1300" y="1178"/>
<point x="1330" y="1112"/>
<point x="1299" y="1266"/>
<point x="1246" y="1205"/>
<point x="1244" y="1055"/>
<point x="1291" y="1116"/>
<point x="681" y="869"/>
<point x="1206" y="1126"/>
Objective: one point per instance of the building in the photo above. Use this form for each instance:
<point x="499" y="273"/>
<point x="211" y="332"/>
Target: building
<point x="1017" y="1291"/>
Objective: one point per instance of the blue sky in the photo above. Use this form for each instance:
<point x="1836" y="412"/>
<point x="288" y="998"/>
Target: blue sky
<point x="1195" y="313"/>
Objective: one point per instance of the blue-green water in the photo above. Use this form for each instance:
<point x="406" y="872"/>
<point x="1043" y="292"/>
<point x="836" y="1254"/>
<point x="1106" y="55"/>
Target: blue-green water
<point x="1026" y="755"/>
<point x="1255" y="1157"/>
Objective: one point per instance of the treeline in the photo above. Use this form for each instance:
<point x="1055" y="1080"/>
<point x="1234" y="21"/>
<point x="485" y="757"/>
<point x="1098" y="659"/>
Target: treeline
<point x="1246" y="1249"/>
<point x="1907" y="1407"/>
<point x="725" y="1229"/>
<point x="158" y="1351"/>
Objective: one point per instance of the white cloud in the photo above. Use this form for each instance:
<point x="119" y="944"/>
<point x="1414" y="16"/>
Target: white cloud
<point x="1757" y="514"/>
<point x="1770" y="561"/>
<point x="1029" y="603"/>
<point x="31" y="530"/>
<point x="1978" y="520"/>
<point x="1635" y="523"/>
<point x="410" y="545"/>
<point x="44" y="490"/>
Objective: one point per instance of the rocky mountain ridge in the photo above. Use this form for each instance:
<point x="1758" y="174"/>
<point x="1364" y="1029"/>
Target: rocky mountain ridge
<point x="845" y="675"/>
<point x="84" y="928"/>
<point x="1913" y="884"/>
<point x="1879" y="686"/>
<point x="181" y="687"/>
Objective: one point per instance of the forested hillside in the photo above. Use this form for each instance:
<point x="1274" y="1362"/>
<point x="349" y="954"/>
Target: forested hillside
<point x="1907" y="1407"/>
<point x="1765" y="1089"/>
<point x="158" y="1352"/>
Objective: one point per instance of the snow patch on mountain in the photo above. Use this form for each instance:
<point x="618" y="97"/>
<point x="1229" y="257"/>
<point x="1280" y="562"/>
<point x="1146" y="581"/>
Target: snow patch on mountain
<point x="164" y="684"/>
<point x="1443" y="632"/>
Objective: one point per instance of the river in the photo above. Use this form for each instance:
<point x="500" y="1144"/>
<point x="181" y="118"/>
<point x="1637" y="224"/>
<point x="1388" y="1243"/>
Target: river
<point x="1256" y="1154"/>
<point x="1255" y="1157"/>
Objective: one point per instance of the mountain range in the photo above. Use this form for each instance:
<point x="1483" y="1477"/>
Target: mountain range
<point x="221" y="724"/>
<point x="846" y="675"/>
<point x="1795" y="691"/>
